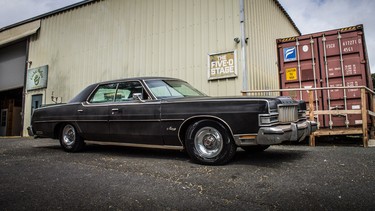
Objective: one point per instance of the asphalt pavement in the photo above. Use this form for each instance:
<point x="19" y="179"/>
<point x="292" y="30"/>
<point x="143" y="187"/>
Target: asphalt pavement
<point x="36" y="174"/>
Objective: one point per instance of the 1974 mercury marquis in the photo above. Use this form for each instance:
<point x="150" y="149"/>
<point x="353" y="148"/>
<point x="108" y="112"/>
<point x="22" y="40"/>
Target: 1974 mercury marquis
<point x="169" y="113"/>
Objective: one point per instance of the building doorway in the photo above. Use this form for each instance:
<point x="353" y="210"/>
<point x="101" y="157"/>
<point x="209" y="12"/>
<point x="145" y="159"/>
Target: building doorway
<point x="11" y="112"/>
<point x="36" y="102"/>
<point x="3" y="121"/>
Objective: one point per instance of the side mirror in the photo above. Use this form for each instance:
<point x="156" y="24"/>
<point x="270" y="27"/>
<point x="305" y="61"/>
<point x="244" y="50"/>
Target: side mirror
<point x="138" y="96"/>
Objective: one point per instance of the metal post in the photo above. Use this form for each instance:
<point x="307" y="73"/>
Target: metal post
<point x="364" y="117"/>
<point x="314" y="74"/>
<point x="343" y="79"/>
<point x="299" y="69"/>
<point x="327" y="80"/>
<point x="245" y="85"/>
<point x="311" y="115"/>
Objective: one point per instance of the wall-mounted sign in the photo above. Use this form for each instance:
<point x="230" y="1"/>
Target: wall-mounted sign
<point x="291" y="74"/>
<point x="222" y="65"/>
<point x="37" y="78"/>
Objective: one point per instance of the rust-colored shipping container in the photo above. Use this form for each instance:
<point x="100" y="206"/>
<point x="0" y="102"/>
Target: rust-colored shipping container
<point x="334" y="58"/>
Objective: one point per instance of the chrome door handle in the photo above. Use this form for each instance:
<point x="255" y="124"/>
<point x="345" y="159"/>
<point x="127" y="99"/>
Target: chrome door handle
<point x="114" y="110"/>
<point x="80" y="111"/>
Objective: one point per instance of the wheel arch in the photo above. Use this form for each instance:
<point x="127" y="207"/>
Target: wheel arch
<point x="191" y="120"/>
<point x="59" y="126"/>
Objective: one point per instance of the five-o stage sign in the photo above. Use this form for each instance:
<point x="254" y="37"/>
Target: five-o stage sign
<point x="222" y="65"/>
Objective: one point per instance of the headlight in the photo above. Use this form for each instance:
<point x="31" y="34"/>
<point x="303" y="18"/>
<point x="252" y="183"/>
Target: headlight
<point x="265" y="120"/>
<point x="268" y="119"/>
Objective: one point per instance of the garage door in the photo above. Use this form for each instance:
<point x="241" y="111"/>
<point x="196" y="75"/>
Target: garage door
<point x="12" y="66"/>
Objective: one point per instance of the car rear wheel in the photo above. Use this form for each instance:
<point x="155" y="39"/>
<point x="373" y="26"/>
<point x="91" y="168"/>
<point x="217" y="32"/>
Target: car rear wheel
<point x="255" y="149"/>
<point x="209" y="142"/>
<point x="70" y="141"/>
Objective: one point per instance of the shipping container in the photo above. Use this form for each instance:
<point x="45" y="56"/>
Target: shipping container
<point x="334" y="58"/>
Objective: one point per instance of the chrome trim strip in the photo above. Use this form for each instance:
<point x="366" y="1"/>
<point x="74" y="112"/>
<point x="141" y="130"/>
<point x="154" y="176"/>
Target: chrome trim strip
<point x="123" y="103"/>
<point x="136" y="145"/>
<point x="140" y="120"/>
<point x="149" y="90"/>
<point x="118" y="82"/>
<point x="49" y="121"/>
<point x="55" y="105"/>
<point x="213" y="100"/>
<point x="282" y="123"/>
<point x="170" y="120"/>
<point x="82" y="120"/>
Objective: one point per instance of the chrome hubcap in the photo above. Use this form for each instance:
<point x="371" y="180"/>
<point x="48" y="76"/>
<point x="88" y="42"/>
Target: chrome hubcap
<point x="69" y="135"/>
<point x="208" y="142"/>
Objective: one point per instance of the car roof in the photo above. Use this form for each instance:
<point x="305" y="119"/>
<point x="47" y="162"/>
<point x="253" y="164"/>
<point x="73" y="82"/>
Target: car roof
<point x="138" y="79"/>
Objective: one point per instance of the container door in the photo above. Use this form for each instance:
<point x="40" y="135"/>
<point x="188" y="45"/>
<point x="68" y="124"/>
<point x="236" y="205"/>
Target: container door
<point x="299" y="68"/>
<point x="344" y="65"/>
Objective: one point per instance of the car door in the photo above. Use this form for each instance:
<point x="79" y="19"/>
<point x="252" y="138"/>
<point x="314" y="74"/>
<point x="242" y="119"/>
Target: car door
<point x="92" y="115"/>
<point x="133" y="120"/>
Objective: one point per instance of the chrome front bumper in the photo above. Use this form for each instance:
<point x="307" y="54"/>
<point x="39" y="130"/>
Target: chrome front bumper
<point x="281" y="133"/>
<point x="30" y="131"/>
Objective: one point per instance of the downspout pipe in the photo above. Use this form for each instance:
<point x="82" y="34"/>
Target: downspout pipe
<point x="24" y="90"/>
<point x="245" y="83"/>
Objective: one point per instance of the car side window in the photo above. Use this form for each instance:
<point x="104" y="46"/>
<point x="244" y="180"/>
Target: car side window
<point x="104" y="93"/>
<point x="126" y="90"/>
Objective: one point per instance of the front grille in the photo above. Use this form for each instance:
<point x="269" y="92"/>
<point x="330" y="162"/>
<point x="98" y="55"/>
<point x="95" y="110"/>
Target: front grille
<point x="288" y="113"/>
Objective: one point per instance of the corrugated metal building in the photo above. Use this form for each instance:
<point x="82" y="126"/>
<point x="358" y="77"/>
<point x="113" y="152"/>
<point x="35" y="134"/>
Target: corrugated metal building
<point x="100" y="40"/>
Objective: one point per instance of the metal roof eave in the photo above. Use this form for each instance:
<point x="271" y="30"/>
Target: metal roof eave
<point x="288" y="16"/>
<point x="63" y="9"/>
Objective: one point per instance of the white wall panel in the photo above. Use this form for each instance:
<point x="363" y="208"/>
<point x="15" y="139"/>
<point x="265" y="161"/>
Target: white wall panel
<point x="265" y="22"/>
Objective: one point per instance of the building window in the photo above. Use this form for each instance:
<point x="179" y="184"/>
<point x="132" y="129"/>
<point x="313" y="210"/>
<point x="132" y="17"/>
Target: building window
<point x="3" y="118"/>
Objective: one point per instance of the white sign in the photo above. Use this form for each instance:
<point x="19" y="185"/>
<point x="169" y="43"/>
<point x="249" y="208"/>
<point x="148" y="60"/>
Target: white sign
<point x="222" y="65"/>
<point x="37" y="78"/>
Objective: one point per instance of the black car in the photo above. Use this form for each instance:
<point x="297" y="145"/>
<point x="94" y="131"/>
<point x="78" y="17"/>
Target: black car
<point x="169" y="113"/>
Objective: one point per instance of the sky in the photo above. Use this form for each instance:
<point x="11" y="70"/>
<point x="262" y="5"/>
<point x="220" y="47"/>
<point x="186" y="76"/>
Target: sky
<point x="309" y="15"/>
<point x="321" y="15"/>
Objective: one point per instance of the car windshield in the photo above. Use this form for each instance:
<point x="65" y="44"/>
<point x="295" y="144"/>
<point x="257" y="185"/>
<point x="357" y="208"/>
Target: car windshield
<point x="172" y="89"/>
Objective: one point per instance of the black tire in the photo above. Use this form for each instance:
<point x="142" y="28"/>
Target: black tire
<point x="70" y="141"/>
<point x="208" y="142"/>
<point x="255" y="149"/>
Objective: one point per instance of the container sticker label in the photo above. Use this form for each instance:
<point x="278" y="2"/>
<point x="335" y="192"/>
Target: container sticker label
<point x="305" y="48"/>
<point x="358" y="122"/>
<point x="291" y="74"/>
<point x="290" y="54"/>
<point x="356" y="107"/>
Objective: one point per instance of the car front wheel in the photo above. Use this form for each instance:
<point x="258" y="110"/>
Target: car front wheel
<point x="209" y="142"/>
<point x="70" y="141"/>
